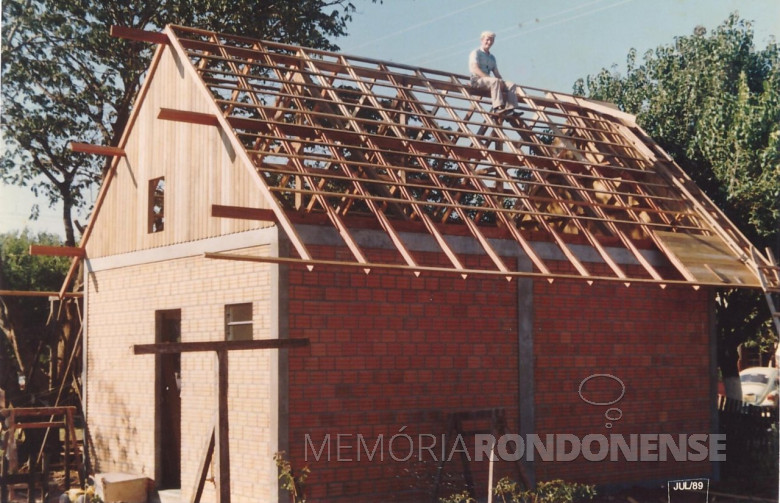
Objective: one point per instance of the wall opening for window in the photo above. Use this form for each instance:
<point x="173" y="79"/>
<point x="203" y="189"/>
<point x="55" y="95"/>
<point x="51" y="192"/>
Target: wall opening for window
<point x="156" y="204"/>
<point x="238" y="322"/>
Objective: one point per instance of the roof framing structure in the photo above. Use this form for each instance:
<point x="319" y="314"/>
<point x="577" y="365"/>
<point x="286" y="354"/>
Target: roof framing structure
<point x="337" y="139"/>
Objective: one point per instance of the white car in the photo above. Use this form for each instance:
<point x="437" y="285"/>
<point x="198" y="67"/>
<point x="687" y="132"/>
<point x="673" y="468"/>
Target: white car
<point x="760" y="385"/>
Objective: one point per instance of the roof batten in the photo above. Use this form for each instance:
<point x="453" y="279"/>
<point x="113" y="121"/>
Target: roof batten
<point x="341" y="136"/>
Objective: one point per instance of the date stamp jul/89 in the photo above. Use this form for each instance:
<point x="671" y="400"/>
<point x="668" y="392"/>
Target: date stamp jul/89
<point x="688" y="491"/>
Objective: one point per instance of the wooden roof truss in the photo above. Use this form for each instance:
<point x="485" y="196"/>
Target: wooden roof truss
<point x="335" y="137"/>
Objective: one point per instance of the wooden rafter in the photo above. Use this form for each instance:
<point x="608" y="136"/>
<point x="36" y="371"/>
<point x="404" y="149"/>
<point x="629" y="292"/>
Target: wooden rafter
<point x="109" y="175"/>
<point x="264" y="189"/>
<point x="341" y="136"/>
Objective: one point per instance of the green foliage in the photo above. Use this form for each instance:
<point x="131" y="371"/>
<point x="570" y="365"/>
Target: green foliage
<point x="66" y="79"/>
<point x="23" y="320"/>
<point x="21" y="271"/>
<point x="552" y="491"/>
<point x="461" y="497"/>
<point x="558" y="491"/>
<point x="290" y="482"/>
<point x="713" y="102"/>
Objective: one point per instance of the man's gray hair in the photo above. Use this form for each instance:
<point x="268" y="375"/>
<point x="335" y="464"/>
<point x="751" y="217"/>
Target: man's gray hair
<point x="487" y="33"/>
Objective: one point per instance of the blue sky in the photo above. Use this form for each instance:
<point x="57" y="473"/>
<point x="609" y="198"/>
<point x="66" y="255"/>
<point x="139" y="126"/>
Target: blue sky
<point x="547" y="44"/>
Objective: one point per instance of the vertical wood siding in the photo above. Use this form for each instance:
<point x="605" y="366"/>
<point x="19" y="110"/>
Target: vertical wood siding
<point x="198" y="164"/>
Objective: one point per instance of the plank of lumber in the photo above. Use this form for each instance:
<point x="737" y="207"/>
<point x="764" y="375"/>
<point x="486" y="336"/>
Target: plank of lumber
<point x="57" y="251"/>
<point x="242" y="212"/>
<point x="171" y="114"/>
<point x="24" y="293"/>
<point x="34" y="411"/>
<point x="203" y="467"/>
<point x="189" y="347"/>
<point x="89" y="148"/>
<point x="311" y="263"/>
<point x="139" y="35"/>
<point x="38" y="425"/>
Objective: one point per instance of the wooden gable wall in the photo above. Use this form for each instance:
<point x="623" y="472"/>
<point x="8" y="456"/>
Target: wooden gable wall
<point x="197" y="161"/>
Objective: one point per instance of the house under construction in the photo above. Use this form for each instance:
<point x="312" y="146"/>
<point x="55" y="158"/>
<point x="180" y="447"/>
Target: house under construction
<point x="302" y="251"/>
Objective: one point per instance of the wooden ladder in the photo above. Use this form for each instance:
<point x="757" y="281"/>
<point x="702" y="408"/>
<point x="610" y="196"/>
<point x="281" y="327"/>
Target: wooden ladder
<point x="769" y="276"/>
<point x="42" y="418"/>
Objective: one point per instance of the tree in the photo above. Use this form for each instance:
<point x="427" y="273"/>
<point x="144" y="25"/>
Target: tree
<point x="65" y="78"/>
<point x="25" y="327"/>
<point x="713" y="102"/>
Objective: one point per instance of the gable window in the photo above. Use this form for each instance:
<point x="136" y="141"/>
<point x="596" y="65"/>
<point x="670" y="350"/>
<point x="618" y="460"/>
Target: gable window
<point x="238" y="322"/>
<point x="156" y="213"/>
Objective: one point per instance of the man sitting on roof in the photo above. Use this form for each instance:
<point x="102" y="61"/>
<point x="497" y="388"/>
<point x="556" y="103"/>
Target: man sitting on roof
<point x="481" y="64"/>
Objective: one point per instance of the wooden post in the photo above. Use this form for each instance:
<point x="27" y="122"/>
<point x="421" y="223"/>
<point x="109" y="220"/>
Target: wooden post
<point x="223" y="447"/>
<point x="221" y="430"/>
<point x="68" y="423"/>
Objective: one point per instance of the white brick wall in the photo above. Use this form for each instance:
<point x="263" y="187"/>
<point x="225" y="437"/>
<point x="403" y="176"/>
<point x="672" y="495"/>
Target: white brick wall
<point x="120" y="385"/>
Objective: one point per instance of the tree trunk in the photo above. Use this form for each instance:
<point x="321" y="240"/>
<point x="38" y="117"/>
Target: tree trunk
<point x="67" y="217"/>
<point x="67" y="327"/>
<point x="7" y="328"/>
<point x="728" y="358"/>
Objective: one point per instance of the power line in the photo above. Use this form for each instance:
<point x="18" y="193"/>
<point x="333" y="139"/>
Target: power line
<point x="500" y="31"/>
<point x="419" y="25"/>
<point x="427" y="58"/>
<point x="570" y="18"/>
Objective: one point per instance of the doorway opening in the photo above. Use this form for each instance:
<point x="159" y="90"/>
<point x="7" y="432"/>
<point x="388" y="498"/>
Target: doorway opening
<point x="168" y="402"/>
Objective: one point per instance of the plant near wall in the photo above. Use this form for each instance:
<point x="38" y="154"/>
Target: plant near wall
<point x="292" y="483"/>
<point x="551" y="491"/>
<point x="461" y="497"/>
<point x="559" y="491"/>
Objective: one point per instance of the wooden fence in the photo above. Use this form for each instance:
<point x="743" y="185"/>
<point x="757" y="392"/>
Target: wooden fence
<point x="751" y="437"/>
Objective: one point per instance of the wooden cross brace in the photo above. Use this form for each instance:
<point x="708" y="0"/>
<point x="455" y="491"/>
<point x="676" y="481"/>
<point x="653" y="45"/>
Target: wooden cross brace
<point x="221" y="348"/>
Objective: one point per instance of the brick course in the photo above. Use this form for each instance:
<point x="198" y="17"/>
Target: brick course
<point x="120" y="387"/>
<point x="389" y="350"/>
<point x="392" y="354"/>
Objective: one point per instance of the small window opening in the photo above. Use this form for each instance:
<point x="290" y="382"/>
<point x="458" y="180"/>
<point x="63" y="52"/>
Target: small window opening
<point x="156" y="204"/>
<point x="238" y="322"/>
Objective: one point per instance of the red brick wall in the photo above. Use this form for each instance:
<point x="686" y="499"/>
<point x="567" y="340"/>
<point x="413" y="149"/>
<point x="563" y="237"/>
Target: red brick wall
<point x="389" y="350"/>
<point x="654" y="341"/>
